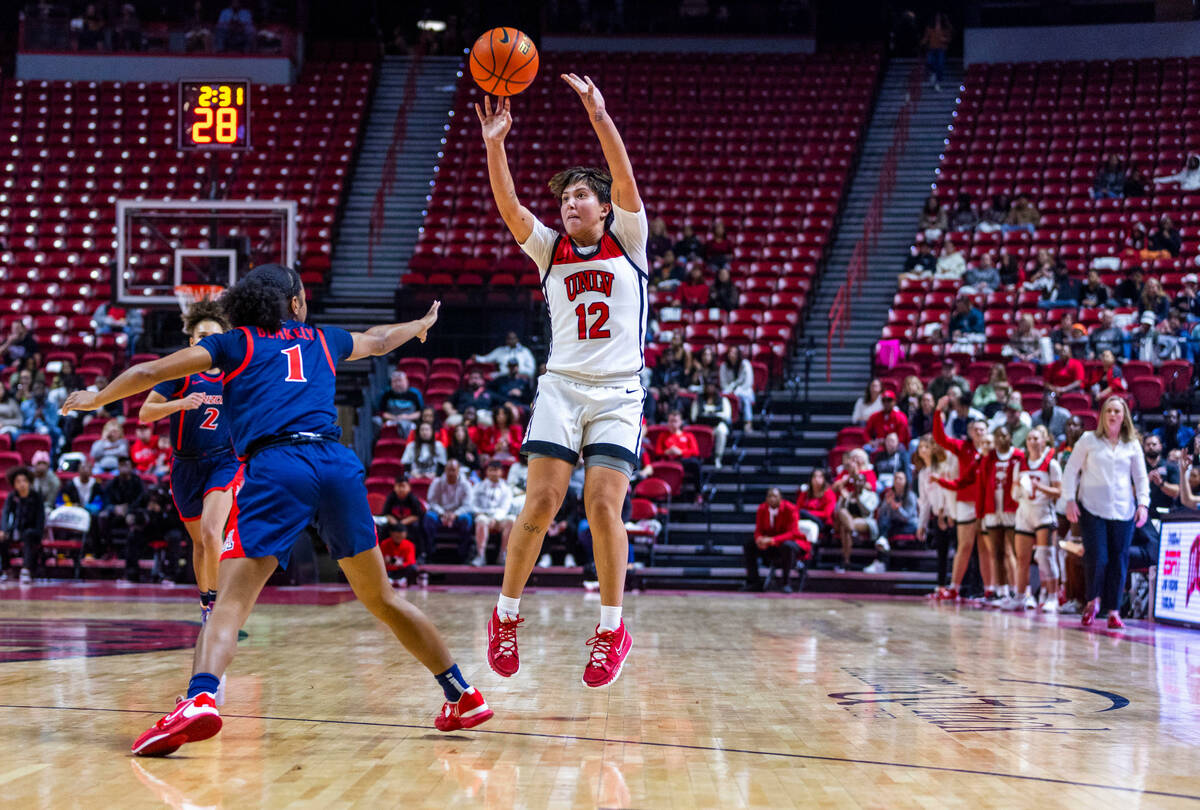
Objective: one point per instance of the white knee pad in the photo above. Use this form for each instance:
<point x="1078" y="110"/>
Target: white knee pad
<point x="1046" y="562"/>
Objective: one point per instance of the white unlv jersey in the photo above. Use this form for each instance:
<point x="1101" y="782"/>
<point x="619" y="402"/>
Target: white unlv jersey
<point x="596" y="298"/>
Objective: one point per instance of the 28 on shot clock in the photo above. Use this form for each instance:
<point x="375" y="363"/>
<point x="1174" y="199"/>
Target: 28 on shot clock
<point x="214" y="114"/>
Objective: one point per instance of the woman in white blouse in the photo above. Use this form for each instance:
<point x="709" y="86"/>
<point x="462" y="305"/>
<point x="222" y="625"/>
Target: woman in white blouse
<point x="1108" y="493"/>
<point x="736" y="376"/>
<point x="869" y="403"/>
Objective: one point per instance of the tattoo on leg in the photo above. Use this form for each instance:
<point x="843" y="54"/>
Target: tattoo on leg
<point x="532" y="528"/>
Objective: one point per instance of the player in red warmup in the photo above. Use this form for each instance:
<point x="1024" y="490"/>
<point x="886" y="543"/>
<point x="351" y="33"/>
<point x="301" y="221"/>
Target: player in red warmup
<point x="279" y="384"/>
<point x="968" y="452"/>
<point x="589" y="402"/>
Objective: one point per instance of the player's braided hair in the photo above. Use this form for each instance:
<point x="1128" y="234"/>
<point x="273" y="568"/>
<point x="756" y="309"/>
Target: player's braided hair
<point x="598" y="180"/>
<point x="206" y="309"/>
<point x="261" y="297"/>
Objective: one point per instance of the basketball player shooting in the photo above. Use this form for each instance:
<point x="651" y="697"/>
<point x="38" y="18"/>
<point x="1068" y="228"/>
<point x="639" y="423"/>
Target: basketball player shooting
<point x="589" y="401"/>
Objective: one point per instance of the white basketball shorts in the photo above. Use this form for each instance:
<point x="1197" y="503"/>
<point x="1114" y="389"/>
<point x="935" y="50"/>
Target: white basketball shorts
<point x="603" y="423"/>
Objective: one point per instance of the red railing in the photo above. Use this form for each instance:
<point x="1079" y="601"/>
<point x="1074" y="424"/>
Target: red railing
<point x="860" y="257"/>
<point x="388" y="178"/>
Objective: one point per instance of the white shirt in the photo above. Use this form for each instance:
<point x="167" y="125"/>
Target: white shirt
<point x="596" y="298"/>
<point x="491" y="499"/>
<point x="502" y="354"/>
<point x="1107" y="477"/>
<point x="863" y="411"/>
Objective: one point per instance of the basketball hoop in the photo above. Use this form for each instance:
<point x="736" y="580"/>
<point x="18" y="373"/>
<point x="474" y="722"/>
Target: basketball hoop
<point x="189" y="294"/>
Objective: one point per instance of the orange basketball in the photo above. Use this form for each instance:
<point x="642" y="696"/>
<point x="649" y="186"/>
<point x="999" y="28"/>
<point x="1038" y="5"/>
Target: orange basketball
<point x="504" y="61"/>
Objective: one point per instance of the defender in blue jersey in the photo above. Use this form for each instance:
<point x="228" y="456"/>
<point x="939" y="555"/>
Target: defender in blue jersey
<point x="278" y="396"/>
<point x="203" y="466"/>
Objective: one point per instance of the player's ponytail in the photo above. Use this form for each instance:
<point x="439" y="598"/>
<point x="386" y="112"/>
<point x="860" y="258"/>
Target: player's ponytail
<point x="262" y="297"/>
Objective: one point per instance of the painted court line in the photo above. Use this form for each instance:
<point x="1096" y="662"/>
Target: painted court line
<point x="680" y="746"/>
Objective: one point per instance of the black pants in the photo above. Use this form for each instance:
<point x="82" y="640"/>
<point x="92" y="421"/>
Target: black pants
<point x="1143" y="553"/>
<point x="940" y="539"/>
<point x="31" y="549"/>
<point x="137" y="546"/>
<point x="1105" y="557"/>
<point x="783" y="556"/>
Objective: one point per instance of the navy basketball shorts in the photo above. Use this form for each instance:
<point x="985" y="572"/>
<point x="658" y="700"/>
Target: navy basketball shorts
<point x="285" y="488"/>
<point x="193" y="478"/>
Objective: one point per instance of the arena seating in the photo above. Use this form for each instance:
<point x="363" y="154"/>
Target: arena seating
<point x="770" y="157"/>
<point x="70" y="149"/>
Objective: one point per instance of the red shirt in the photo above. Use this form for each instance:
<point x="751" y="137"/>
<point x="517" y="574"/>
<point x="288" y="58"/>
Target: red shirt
<point x="786" y="525"/>
<point x="881" y="423"/>
<point x="142" y="455"/>
<point x="485" y="439"/>
<point x="1061" y="373"/>
<point x="964" y="450"/>
<point x="1112" y="378"/>
<point x="403" y="549"/>
<point x="821" y="506"/>
<point x="685" y="441"/>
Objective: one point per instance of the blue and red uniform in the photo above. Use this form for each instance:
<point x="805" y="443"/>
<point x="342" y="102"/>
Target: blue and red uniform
<point x="279" y="387"/>
<point x="202" y="460"/>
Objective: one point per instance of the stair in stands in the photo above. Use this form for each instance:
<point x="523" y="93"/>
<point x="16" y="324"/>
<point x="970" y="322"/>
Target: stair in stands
<point x="361" y="293"/>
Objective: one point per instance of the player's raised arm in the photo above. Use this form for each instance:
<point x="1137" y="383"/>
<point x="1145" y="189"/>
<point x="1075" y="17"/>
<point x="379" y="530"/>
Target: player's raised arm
<point x="495" y="124"/>
<point x="624" y="187"/>
<point x="141" y="377"/>
<point x="386" y="338"/>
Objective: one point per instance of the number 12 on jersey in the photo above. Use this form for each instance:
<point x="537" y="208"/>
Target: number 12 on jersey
<point x="597" y="330"/>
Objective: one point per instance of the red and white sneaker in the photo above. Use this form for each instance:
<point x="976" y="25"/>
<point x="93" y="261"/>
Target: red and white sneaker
<point x="608" y="656"/>
<point x="502" y="654"/>
<point x="470" y="710"/>
<point x="946" y="595"/>
<point x="193" y="720"/>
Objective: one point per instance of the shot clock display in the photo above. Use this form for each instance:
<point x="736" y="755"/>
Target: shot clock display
<point x="214" y="115"/>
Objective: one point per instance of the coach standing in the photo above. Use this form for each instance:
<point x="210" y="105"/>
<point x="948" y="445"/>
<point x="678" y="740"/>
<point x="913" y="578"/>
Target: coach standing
<point x="1109" y="493"/>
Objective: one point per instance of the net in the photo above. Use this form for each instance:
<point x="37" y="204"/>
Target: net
<point x="188" y="294"/>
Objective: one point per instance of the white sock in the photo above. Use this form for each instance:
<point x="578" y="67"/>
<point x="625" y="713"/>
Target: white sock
<point x="610" y="618"/>
<point x="508" y="609"/>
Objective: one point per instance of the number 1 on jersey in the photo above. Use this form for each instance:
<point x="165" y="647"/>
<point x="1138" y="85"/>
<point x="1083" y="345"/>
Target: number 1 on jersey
<point x="597" y="332"/>
<point x="295" y="364"/>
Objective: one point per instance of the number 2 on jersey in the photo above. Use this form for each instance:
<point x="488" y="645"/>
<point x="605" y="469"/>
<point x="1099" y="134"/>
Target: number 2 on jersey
<point x="295" y="364"/>
<point x="210" y="419"/>
<point x="597" y="332"/>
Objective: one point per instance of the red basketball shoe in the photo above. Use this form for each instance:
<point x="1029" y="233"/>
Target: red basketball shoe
<point x="470" y="710"/>
<point x="946" y="595"/>
<point x="502" y="654"/>
<point x="193" y="720"/>
<point x="608" y="656"/>
<point x="1115" y="623"/>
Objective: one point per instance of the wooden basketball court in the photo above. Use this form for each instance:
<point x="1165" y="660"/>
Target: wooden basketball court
<point x="727" y="701"/>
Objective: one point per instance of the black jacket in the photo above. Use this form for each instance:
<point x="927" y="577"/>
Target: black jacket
<point x="23" y="514"/>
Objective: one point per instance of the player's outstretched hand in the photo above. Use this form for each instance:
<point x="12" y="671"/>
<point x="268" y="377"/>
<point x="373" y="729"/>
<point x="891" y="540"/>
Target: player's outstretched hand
<point x="429" y="320"/>
<point x="497" y="122"/>
<point x="588" y="92"/>
<point x="79" y="401"/>
<point x="192" y="401"/>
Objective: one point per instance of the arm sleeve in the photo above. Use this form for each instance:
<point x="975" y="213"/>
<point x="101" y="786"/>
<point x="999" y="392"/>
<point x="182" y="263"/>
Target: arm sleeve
<point x="171" y="388"/>
<point x="227" y="349"/>
<point x="341" y="343"/>
<point x="539" y="245"/>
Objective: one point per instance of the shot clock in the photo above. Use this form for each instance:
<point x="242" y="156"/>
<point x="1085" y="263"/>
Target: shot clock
<point x="214" y="114"/>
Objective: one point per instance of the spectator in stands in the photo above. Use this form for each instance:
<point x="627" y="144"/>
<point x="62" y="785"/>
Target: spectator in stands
<point x="449" y="506"/>
<point x="694" y="292"/>
<point x="473" y="394"/>
<point x="1065" y="291"/>
<point x="961" y="413"/>
<point x="1026" y="341"/>
<point x="951" y="264"/>
<point x="964" y="216"/>
<point x="890" y="458"/>
<point x="933" y="222"/>
<point x="909" y="400"/>
<point x="982" y="277"/>
<point x="405" y="514"/>
<point x="513" y="387"/>
<point x="1022" y="216"/>
<point x="11" y="419"/>
<point x="659" y="242"/>
<point x="65" y="381"/>
<point x="38" y="415"/>
<point x="144" y="450"/>
<point x="1154" y="344"/>
<point x="123" y="497"/>
<point x="668" y="271"/>
<point x="127" y="31"/>
<point x="18" y="346"/>
<point x="512" y="348"/>
<point x="921" y="422"/>
<point x="1108" y="471"/>
<point x="84" y="490"/>
<point x="504" y="426"/>
<point x="1110" y="179"/>
<point x="724" y="293"/>
<point x="400" y="405"/>
<point x="1166" y="237"/>
<point x="24" y="520"/>
<point x="1188" y="298"/>
<point x="1129" y="290"/>
<point x="109" y="448"/>
<point x="920" y="263"/>
<point x="1064" y="374"/>
<point x="1107" y="337"/>
<point x="736" y="377"/>
<point x="462" y="449"/>
<point x="198" y="36"/>
<point x="1154" y="300"/>
<point x="669" y="399"/>
<point x="162" y="462"/>
<point x="1173" y="434"/>
<point x="987" y="393"/>
<point x="857" y="502"/>
<point x="1093" y="292"/>
<point x="897" y="514"/>
<point x="949" y="376"/>
<point x="108" y="319"/>
<point x="777" y="541"/>
<point x="491" y="501"/>
<point x="720" y="247"/>
<point x="994" y="214"/>
<point x="1051" y="416"/>
<point x="235" y="28"/>
<point x="93" y="30"/>
<point x="939" y="33"/>
<point x="816" y="501"/>
<point x="1041" y="280"/>
<point x="1109" y="380"/>
<point x="1014" y="418"/>
<point x="1137" y="183"/>
<point x="1011" y="274"/>
<point x="155" y="521"/>
<point x="869" y="403"/>
<point x="424" y="457"/>
<point x="704" y="368"/>
<point x="689" y="245"/>
<point x="1188" y="177"/>
<point x="676" y="444"/>
<point x="967" y="321"/>
<point x="712" y="409"/>
<point x="888" y="419"/>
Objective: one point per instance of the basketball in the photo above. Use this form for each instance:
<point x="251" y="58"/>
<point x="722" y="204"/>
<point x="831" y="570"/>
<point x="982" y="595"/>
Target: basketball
<point x="504" y="61"/>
